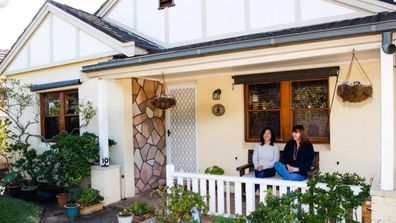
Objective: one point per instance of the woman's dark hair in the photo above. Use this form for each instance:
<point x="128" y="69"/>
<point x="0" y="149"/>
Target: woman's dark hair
<point x="272" y="140"/>
<point x="300" y="128"/>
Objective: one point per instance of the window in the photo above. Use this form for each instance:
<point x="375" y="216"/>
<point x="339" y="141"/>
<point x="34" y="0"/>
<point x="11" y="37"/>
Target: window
<point x="165" y="3"/>
<point x="283" y="104"/>
<point x="59" y="113"/>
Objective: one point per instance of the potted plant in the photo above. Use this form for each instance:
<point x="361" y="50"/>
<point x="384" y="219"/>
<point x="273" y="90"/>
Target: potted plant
<point x="215" y="170"/>
<point x="141" y="211"/>
<point x="29" y="191"/>
<point x="13" y="181"/>
<point x="72" y="208"/>
<point x="125" y="216"/>
<point x="72" y="165"/>
<point x="90" y="201"/>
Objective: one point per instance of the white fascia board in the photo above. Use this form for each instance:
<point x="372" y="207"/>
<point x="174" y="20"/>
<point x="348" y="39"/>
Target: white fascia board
<point x="372" y="6"/>
<point x="40" y="17"/>
<point x="127" y="48"/>
<point x="106" y="9"/>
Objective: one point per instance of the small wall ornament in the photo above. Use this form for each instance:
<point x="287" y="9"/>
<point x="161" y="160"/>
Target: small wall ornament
<point x="218" y="109"/>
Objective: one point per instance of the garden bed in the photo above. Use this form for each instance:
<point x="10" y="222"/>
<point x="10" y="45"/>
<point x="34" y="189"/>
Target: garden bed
<point x="16" y="211"/>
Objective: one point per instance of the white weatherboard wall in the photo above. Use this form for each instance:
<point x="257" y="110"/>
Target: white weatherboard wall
<point x="57" y="42"/>
<point x="192" y="21"/>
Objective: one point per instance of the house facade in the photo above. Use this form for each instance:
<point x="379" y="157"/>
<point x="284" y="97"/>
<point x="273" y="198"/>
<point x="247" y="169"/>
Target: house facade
<point x="276" y="63"/>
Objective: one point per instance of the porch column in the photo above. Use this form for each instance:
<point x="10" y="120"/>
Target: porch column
<point x="103" y="125"/>
<point x="387" y="121"/>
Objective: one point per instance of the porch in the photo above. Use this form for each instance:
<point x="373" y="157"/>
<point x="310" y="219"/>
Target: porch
<point x="220" y="139"/>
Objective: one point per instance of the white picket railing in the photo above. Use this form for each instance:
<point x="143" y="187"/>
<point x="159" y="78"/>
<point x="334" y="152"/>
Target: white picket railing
<point x="222" y="190"/>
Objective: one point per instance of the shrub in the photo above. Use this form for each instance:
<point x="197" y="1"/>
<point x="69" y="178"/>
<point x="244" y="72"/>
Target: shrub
<point x="90" y="196"/>
<point x="332" y="203"/>
<point x="335" y="202"/>
<point x="175" y="204"/>
<point x="276" y="209"/>
<point x="215" y="170"/>
<point x="140" y="208"/>
<point x="73" y="194"/>
<point x="75" y="156"/>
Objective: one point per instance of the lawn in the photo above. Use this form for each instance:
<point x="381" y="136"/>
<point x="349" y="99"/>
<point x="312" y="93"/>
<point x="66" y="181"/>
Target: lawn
<point x="17" y="211"/>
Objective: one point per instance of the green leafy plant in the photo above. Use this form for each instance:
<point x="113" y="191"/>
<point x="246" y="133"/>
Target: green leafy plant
<point x="330" y="198"/>
<point x="276" y="209"/>
<point x="90" y="196"/>
<point x="235" y="219"/>
<point x="75" y="154"/>
<point x="175" y="204"/>
<point x="140" y="208"/>
<point x="4" y="123"/>
<point x="239" y="219"/>
<point x="335" y="202"/>
<point x="125" y="213"/>
<point x="215" y="170"/>
<point x="12" y="178"/>
<point x="73" y="195"/>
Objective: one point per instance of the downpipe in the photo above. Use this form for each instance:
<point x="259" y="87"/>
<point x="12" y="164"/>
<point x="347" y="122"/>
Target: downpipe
<point x="387" y="44"/>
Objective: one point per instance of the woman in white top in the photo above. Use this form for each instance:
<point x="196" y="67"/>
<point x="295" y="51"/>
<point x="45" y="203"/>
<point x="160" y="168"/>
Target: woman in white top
<point x="265" y="155"/>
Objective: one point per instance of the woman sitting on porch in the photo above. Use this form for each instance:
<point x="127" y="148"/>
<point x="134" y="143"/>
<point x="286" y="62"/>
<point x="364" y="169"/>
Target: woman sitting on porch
<point x="265" y="155"/>
<point x="297" y="156"/>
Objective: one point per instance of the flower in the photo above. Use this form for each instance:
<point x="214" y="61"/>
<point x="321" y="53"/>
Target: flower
<point x="125" y="213"/>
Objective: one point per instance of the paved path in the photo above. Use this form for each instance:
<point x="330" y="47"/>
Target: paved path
<point x="53" y="214"/>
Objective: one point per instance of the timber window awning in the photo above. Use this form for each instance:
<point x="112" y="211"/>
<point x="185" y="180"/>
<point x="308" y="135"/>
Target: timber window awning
<point x="286" y="75"/>
<point x="52" y="85"/>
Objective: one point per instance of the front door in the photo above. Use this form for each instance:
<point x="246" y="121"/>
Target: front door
<point x="182" y="128"/>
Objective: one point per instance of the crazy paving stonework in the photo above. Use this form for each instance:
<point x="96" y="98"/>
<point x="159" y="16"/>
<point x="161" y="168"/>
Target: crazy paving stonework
<point x="148" y="135"/>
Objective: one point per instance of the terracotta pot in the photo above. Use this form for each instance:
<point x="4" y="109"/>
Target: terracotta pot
<point x="62" y="199"/>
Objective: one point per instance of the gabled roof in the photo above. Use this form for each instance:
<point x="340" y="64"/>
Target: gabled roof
<point x="382" y="22"/>
<point x="122" y="40"/>
<point x="110" y="29"/>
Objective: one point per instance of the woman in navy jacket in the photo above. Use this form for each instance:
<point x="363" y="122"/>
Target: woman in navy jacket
<point x="297" y="156"/>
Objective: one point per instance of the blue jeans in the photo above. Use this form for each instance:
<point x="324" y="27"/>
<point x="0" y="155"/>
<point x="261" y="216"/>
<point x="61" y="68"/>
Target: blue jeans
<point x="284" y="173"/>
<point x="270" y="172"/>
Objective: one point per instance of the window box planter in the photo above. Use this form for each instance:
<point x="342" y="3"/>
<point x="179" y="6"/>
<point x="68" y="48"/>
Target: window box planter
<point x="72" y="210"/>
<point x="86" y="210"/>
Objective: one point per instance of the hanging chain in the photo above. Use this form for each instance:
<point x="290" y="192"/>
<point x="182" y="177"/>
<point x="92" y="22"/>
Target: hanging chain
<point x="354" y="58"/>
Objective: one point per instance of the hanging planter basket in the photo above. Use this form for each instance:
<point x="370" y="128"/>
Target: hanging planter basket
<point x="355" y="92"/>
<point x="164" y="101"/>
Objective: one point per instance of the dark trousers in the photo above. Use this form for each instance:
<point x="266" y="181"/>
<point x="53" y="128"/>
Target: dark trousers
<point x="270" y="172"/>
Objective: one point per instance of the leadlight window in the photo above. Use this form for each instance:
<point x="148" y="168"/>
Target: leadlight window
<point x="284" y="104"/>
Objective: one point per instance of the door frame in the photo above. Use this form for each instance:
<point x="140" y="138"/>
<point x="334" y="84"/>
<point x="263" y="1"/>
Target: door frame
<point x="190" y="84"/>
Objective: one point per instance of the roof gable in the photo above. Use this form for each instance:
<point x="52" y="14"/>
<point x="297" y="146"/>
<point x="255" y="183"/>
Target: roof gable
<point x="59" y="33"/>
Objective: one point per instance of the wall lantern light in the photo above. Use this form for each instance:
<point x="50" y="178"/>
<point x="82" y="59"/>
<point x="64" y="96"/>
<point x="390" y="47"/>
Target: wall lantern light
<point x="216" y="94"/>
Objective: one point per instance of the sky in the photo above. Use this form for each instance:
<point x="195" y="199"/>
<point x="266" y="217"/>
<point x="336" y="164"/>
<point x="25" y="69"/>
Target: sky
<point x="15" y="15"/>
